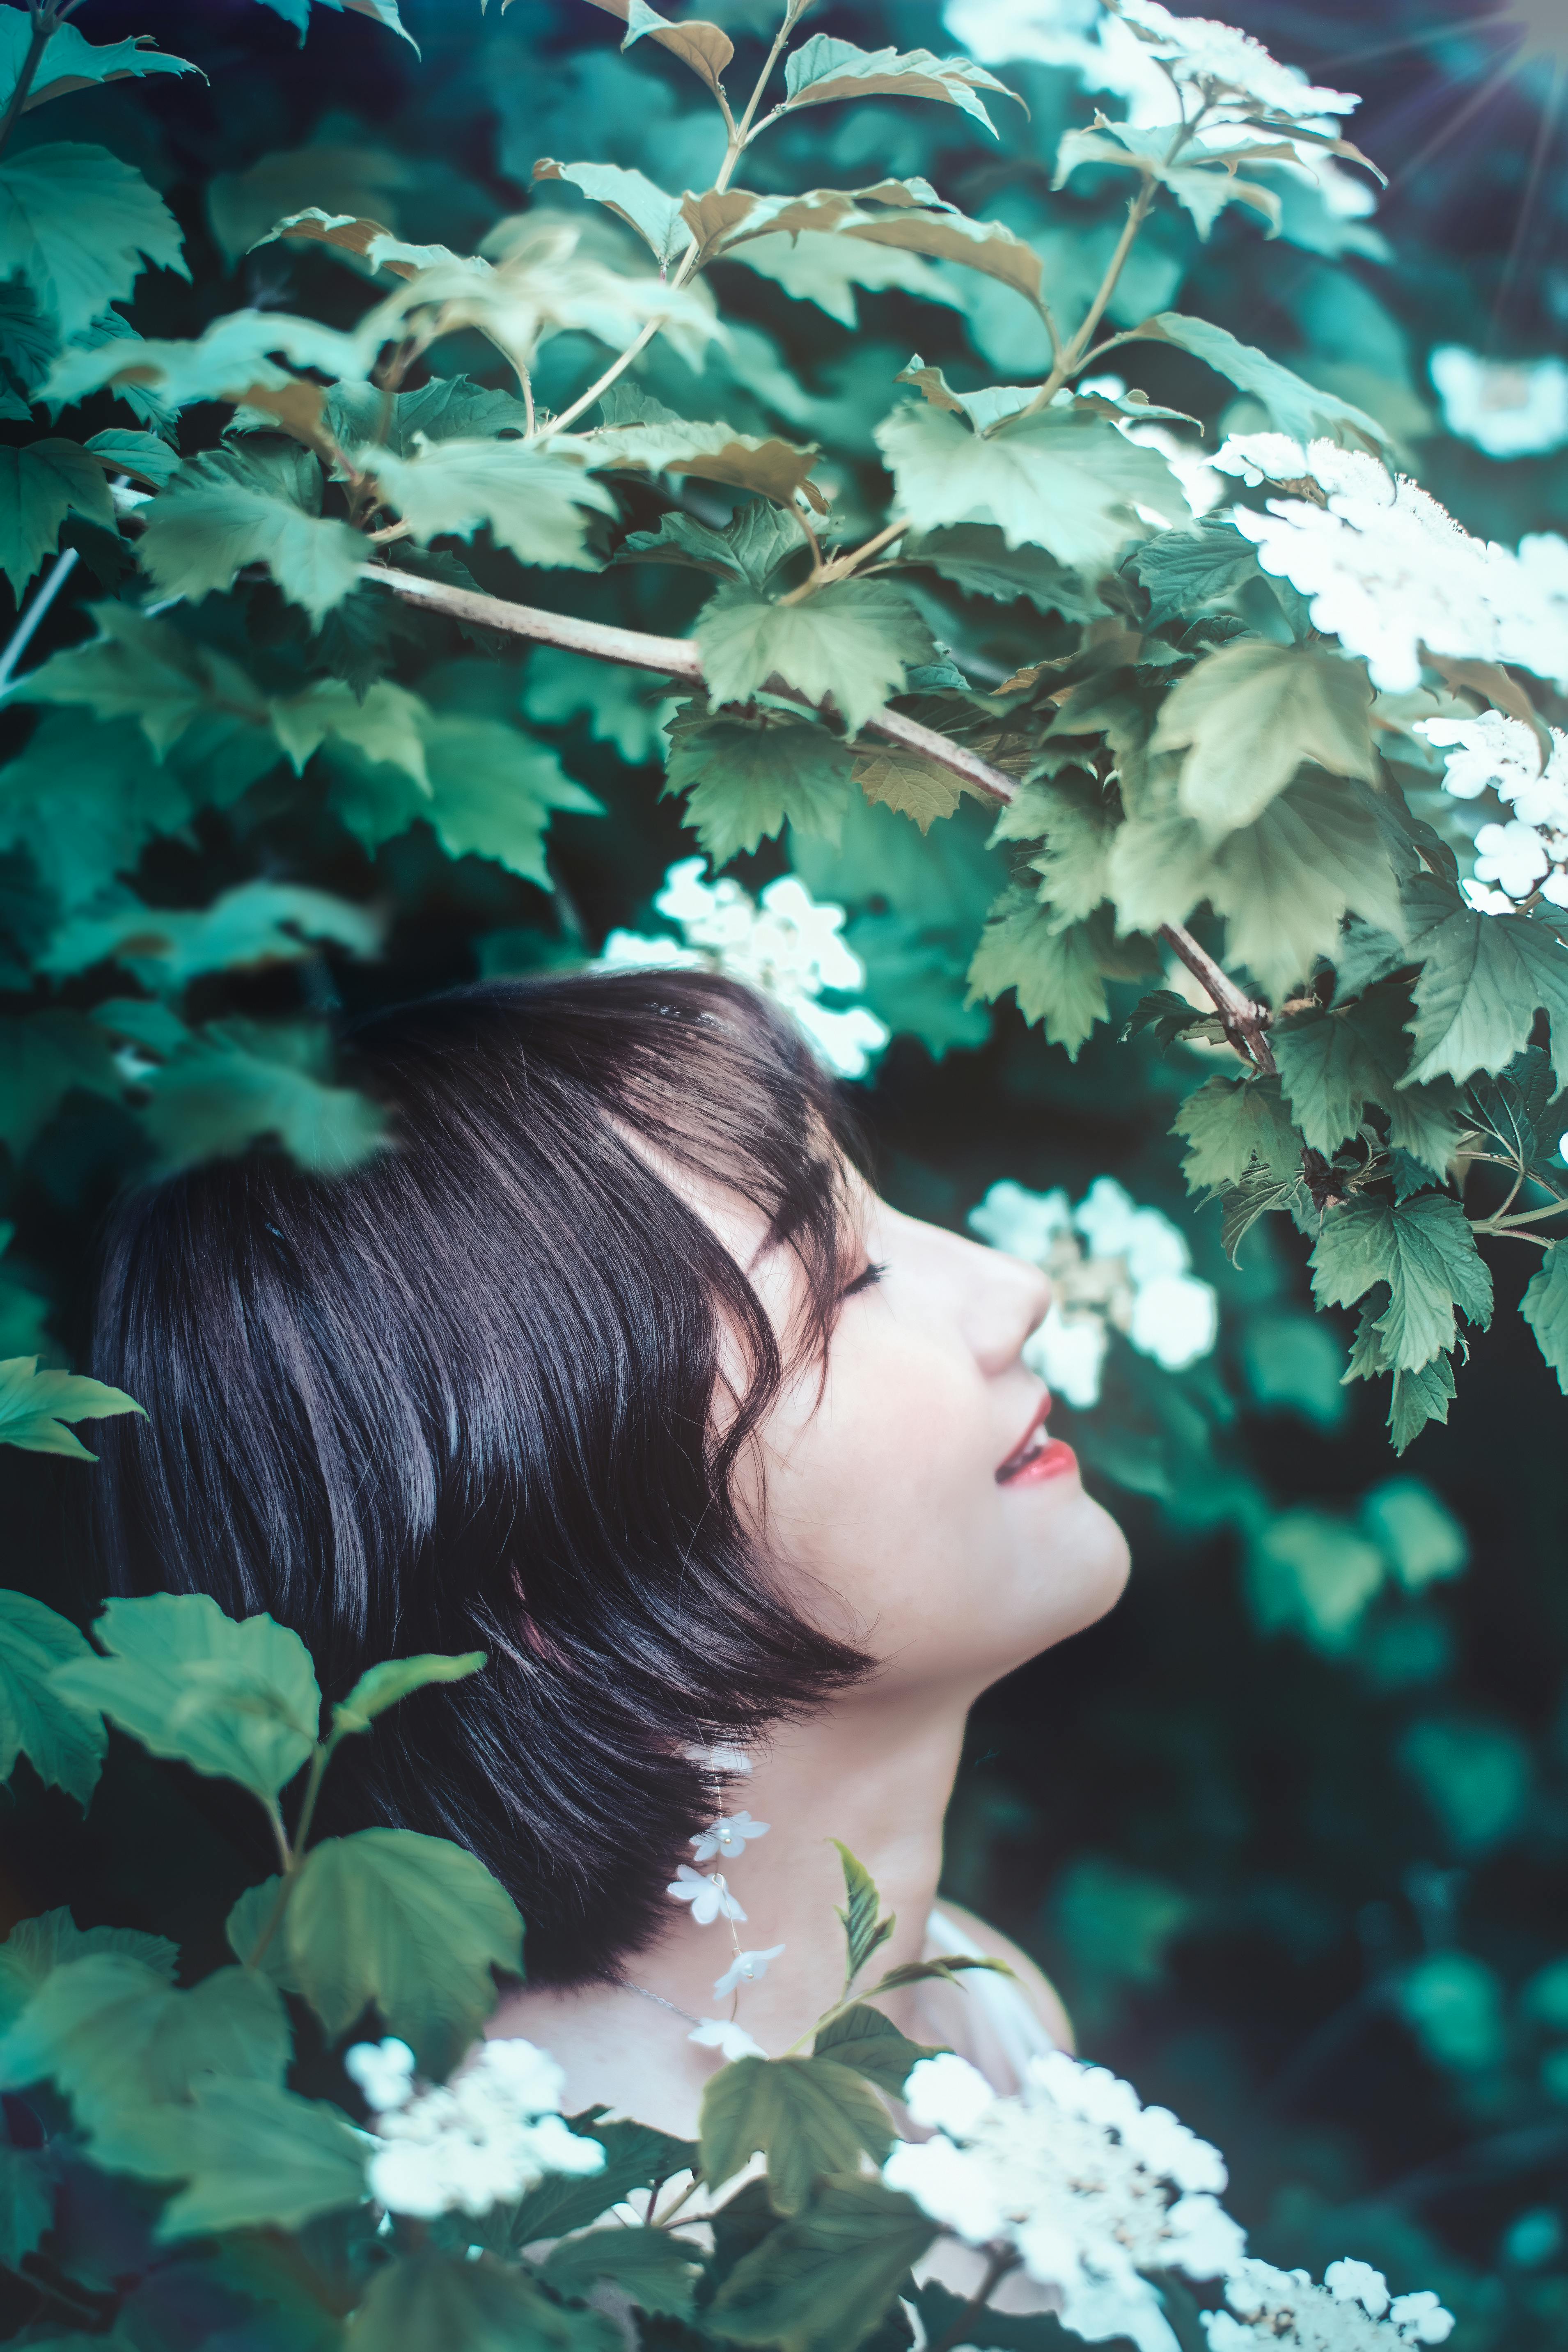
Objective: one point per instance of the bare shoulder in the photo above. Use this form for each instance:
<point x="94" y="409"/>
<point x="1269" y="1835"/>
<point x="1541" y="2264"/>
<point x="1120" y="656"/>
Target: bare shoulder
<point x="1037" y="1987"/>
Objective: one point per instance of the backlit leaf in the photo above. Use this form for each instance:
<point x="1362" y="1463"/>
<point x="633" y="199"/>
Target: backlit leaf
<point x="906" y="780"/>
<point x="1296" y="407"/>
<point x="536" y="501"/>
<point x="715" y="453"/>
<point x="824" y="68"/>
<point x="633" y="198"/>
<point x="850" y="643"/>
<point x="806" y="2115"/>
<point x="233" y="507"/>
<point x="382" y="1686"/>
<point x="1202" y="181"/>
<point x="700" y="47"/>
<point x="410" y="1923"/>
<point x="865" y="1929"/>
<point x="816" y="266"/>
<point x="69" y="62"/>
<point x="80" y="225"/>
<point x="231" y="360"/>
<point x="65" y="1747"/>
<point x="233" y="1698"/>
<point x="1249" y="715"/>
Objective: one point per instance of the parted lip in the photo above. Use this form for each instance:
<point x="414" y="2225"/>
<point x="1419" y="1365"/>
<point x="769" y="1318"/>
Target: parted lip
<point x="1037" y="1423"/>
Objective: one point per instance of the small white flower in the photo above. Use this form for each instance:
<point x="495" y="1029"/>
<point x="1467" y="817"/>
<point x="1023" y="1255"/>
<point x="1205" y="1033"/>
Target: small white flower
<point x="484" y="2138"/>
<point x="1485" y="902"/>
<point x="1261" y="457"/>
<point x="1352" y="2282"/>
<point x="1509" y="408"/>
<point x="947" y="2094"/>
<point x="1175" y="1320"/>
<point x="1512" y="855"/>
<point x="730" y="2041"/>
<point x="746" y="1968"/>
<point x="1228" y="63"/>
<point x="709" y="1898"/>
<point x="1022" y="1223"/>
<point x="383" y="2072"/>
<point x="727" y="1835"/>
<point x="1421" y="2318"/>
<point x="1350" y="2312"/>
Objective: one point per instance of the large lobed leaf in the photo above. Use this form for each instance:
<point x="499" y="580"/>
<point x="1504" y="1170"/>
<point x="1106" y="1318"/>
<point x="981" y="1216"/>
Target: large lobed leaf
<point x="40" y="485"/>
<point x="807" y="2117"/>
<point x="79" y="226"/>
<point x="1424" y="1250"/>
<point x="850" y="644"/>
<point x="65" y="1747"/>
<point x="34" y="1407"/>
<point x="233" y="507"/>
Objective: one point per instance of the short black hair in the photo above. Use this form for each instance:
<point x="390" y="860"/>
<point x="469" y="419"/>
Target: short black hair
<point x="464" y="1397"/>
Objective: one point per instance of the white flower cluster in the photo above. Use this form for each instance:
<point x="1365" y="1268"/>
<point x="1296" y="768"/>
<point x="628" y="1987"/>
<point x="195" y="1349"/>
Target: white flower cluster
<point x="1390" y="573"/>
<point x="1509" y="408"/>
<point x="1353" y="2311"/>
<point x="784" y="944"/>
<point x="1113" y="1267"/>
<point x="488" y="2136"/>
<point x="1090" y="2187"/>
<point x="1530" y="852"/>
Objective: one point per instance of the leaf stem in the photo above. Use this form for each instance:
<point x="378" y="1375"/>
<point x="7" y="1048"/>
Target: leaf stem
<point x="1002" y="2259"/>
<point x="1501" y="1224"/>
<point x="22" y="634"/>
<point x="44" y="20"/>
<point x="292" y="1856"/>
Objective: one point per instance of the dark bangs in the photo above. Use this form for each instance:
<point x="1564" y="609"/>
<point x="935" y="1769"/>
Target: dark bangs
<point x="469" y="1397"/>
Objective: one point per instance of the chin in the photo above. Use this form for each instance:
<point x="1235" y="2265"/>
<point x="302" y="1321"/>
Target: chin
<point x="1081" y="1572"/>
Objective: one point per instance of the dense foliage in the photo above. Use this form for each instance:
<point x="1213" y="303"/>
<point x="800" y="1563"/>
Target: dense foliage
<point x="1281" y="698"/>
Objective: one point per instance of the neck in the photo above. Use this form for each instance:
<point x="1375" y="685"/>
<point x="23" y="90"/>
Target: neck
<point x="875" y="1773"/>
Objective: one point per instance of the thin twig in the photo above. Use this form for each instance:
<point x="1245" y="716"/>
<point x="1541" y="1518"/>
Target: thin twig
<point x="44" y="23"/>
<point x="1244" y="1021"/>
<point x="22" y="634"/>
<point x="1003" y="2259"/>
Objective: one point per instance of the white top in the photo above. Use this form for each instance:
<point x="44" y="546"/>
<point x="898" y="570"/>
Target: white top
<point x="1010" y="2029"/>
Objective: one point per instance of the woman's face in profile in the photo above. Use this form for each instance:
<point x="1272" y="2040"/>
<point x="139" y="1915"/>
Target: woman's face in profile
<point x="916" y="1502"/>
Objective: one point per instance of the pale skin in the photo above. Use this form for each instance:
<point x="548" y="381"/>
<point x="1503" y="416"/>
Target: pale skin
<point x="883" y="1517"/>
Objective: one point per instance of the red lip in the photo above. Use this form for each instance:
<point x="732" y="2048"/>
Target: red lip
<point x="1026" y="1455"/>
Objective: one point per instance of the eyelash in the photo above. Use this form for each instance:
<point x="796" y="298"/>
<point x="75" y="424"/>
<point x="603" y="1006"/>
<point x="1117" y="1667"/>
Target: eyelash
<point x="866" y="1280"/>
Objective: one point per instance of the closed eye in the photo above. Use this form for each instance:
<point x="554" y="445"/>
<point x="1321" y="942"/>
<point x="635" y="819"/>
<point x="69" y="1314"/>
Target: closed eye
<point x="867" y="1279"/>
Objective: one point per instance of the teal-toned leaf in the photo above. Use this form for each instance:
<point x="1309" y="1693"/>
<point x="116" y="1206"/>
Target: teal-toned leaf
<point x="64" y="1748"/>
<point x="976" y="557"/>
<point x="872" y="2044"/>
<point x="259" y="923"/>
<point x="623" y="707"/>
<point x="1194" y="570"/>
<point x="753" y="544"/>
<point x="429" y="2299"/>
<point x="1249" y="715"/>
<point x="1203" y="182"/>
<point x="233" y="1698"/>
<point x="906" y="215"/>
<point x="1483" y="977"/>
<point x="35" y="1406"/>
<point x="745" y="778"/>
<point x="447" y="408"/>
<point x="1063" y="479"/>
<point x="807" y="2117"/>
<point x="823" y="70"/>
<point x="1544" y="1308"/>
<point x="632" y="197"/>
<point x="382" y="1686"/>
<point x="1424" y="1250"/>
<point x="702" y="48"/>
<point x="825" y="2280"/>
<point x="414" y="1924"/>
<point x="712" y="452"/>
<point x="1419" y="1397"/>
<point x="80" y="225"/>
<point x="1312" y="1572"/>
<point x="850" y="644"/>
<point x="82" y="800"/>
<point x="36" y="1947"/>
<point x="232" y="360"/>
<point x="536" y="501"/>
<point x="1423" y="1541"/>
<point x="142" y="456"/>
<point x="40" y="485"/>
<point x="237" y="1083"/>
<point x="655" y="2271"/>
<point x="1332" y="1064"/>
<point x="817" y="266"/>
<point x="1302" y="410"/>
<point x="865" y="1929"/>
<point x="492" y="791"/>
<point x="1056" y="972"/>
<point x="251" y="2156"/>
<point x="636" y="2156"/>
<point x="989" y="2330"/>
<point x="233" y="507"/>
<point x="69" y="63"/>
<point x="380" y="12"/>
<point x="1230" y="1123"/>
<point x="27" y="2202"/>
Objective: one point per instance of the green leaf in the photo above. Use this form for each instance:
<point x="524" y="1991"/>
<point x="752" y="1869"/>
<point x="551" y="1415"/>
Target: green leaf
<point x="865" y="1930"/>
<point x="259" y="923"/>
<point x="80" y="225"/>
<point x="410" y="1923"/>
<point x="1229" y="1124"/>
<point x="492" y="789"/>
<point x="34" y="1407"/>
<point x="382" y="1686"/>
<point x="1422" y="1539"/>
<point x="632" y="197"/>
<point x="821" y="266"/>
<point x="43" y="1058"/>
<point x="655" y="2271"/>
<point x="1203" y="180"/>
<point x="823" y="70"/>
<point x="536" y="501"/>
<point x="989" y="2330"/>
<point x="1075" y="825"/>
<point x="1426" y="1251"/>
<point x="977" y="559"/>
<point x="1194" y="570"/>
<point x="1249" y="715"/>
<point x="142" y="454"/>
<point x="1332" y="1064"/>
<point x="1483" y="977"/>
<point x="447" y="408"/>
<point x="1312" y="1572"/>
<point x="233" y="507"/>
<point x="808" y="2116"/>
<point x="64" y="1748"/>
<point x="1302" y="410"/>
<point x="234" y="1699"/>
<point x="636" y="2156"/>
<point x="1063" y="479"/>
<point x="1420" y="1397"/>
<point x="623" y="707"/>
<point x="26" y="2203"/>
<point x="713" y="452"/>
<point x="745" y="778"/>
<point x="40" y="485"/>
<point x="822" y="2282"/>
<point x="252" y="2157"/>
<point x="237" y="1083"/>
<point x="1544" y="1308"/>
<point x="82" y="801"/>
<point x="862" y="2038"/>
<point x="1055" y="972"/>
<point x="430" y="2300"/>
<point x="69" y="63"/>
<point x="231" y="360"/>
<point x="36" y="1947"/>
<point x="894" y="777"/>
<point x="850" y="643"/>
<point x="906" y="214"/>
<point x="753" y="544"/>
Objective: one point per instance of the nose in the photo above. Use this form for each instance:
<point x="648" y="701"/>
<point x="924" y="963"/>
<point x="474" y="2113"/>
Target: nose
<point x="1007" y="1298"/>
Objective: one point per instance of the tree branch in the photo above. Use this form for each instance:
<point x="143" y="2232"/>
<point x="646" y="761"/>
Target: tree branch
<point x="1246" y="1022"/>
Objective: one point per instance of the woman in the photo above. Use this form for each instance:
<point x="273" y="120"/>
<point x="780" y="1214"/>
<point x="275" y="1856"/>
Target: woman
<point x="614" y="1366"/>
